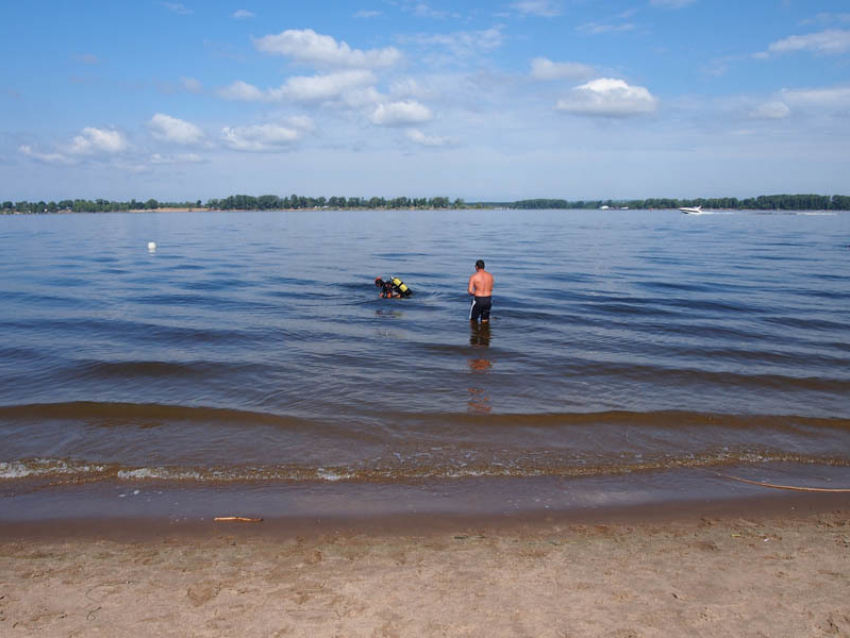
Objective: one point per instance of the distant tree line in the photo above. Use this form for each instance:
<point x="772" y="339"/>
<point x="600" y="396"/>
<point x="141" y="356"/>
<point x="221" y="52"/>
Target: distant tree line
<point x="92" y="206"/>
<point x="762" y="202"/>
<point x="298" y="202"/>
<point x="273" y="202"/>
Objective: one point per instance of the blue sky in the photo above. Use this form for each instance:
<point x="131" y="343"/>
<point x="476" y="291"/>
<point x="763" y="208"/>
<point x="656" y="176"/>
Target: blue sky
<point x="576" y="99"/>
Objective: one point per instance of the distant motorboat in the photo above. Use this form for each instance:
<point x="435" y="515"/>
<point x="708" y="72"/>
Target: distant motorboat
<point x="691" y="210"/>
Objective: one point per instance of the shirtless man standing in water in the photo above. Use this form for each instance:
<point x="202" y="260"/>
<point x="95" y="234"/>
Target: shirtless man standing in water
<point x="481" y="287"/>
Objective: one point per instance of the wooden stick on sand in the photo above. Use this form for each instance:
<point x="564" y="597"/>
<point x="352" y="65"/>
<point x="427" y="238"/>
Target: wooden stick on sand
<point x="239" y="519"/>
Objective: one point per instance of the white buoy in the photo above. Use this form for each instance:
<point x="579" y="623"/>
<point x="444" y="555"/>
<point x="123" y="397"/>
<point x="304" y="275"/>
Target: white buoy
<point x="151" y="246"/>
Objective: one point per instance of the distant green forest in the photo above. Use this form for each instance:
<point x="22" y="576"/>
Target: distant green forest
<point x="299" y="202"/>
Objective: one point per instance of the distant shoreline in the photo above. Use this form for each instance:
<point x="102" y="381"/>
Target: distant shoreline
<point x="421" y="210"/>
<point x="264" y="203"/>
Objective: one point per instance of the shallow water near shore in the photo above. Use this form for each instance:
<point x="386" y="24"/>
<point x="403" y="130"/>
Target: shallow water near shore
<point x="246" y="361"/>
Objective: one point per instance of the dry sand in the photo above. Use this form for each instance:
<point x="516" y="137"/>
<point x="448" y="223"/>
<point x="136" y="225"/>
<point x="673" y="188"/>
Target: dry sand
<point x="769" y="575"/>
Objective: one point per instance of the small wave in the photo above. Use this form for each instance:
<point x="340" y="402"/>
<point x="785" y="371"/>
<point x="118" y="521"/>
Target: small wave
<point x="143" y="413"/>
<point x="63" y="471"/>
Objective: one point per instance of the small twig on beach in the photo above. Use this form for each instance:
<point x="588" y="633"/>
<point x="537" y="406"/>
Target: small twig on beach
<point x="796" y="488"/>
<point x="239" y="519"/>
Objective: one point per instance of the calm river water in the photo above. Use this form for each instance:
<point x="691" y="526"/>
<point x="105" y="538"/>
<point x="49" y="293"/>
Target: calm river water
<point x="633" y="356"/>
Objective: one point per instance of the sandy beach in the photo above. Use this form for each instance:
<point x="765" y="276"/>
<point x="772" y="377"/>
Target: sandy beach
<point x="779" y="573"/>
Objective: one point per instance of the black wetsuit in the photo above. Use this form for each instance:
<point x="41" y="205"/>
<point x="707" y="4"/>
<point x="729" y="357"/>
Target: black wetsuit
<point x="480" y="308"/>
<point x="390" y="291"/>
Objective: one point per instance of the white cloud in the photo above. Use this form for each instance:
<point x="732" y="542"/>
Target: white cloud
<point x="409" y="87"/>
<point x="192" y="85"/>
<point x="49" y="158"/>
<point x="266" y="137"/>
<point x="170" y="129"/>
<point x="357" y="98"/>
<point x="462" y="43"/>
<point x="316" y="88"/>
<point x="422" y="10"/>
<point x="829" y="97"/>
<point x="243" y="14"/>
<point x="542" y="8"/>
<point x="607" y="97"/>
<point x="418" y="137"/>
<point x="826" y="18"/>
<point x="94" y="140"/>
<point x="671" y="4"/>
<point x="545" y="69"/>
<point x="771" y="111"/>
<point x="830" y="42"/>
<point x="367" y="14"/>
<point x="241" y="91"/>
<point x="322" y="87"/>
<point x="177" y="8"/>
<point x="302" y="123"/>
<point x="596" y="28"/>
<point x="323" y="50"/>
<point x="182" y="158"/>
<point x="401" y="113"/>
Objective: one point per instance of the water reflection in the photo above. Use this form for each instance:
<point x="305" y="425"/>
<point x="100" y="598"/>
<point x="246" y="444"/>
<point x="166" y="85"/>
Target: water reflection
<point x="479" y="335"/>
<point x="479" y="399"/>
<point x="390" y="314"/>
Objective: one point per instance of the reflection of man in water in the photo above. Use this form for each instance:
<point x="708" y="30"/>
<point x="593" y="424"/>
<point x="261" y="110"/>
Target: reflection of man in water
<point x="479" y="400"/>
<point x="481" y="287"/>
<point x="479" y="335"/>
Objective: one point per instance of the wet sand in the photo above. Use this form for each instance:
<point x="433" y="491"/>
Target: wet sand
<point x="783" y="570"/>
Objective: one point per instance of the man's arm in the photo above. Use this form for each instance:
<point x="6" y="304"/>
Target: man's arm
<point x="471" y="288"/>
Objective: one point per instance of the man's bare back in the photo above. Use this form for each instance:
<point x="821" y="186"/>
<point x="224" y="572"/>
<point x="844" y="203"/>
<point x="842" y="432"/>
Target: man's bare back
<point x="481" y="283"/>
<point x="481" y="287"/>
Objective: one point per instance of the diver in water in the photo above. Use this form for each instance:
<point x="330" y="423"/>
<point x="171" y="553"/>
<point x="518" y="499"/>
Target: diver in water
<point x="392" y="288"/>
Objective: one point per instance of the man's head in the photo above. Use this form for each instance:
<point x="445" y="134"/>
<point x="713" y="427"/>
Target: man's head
<point x="479" y="265"/>
<point x="379" y="282"/>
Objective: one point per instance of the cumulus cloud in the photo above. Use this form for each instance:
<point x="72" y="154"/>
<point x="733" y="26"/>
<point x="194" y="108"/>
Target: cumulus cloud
<point x="357" y="98"/>
<point x="352" y="86"/>
<point x="828" y="97"/>
<point x="829" y="42"/>
<point x="322" y="87"/>
<point x="771" y="111"/>
<point x="607" y="97"/>
<point x="545" y="69"/>
<point x="49" y="158"/>
<point x="182" y="158"/>
<point x="242" y="14"/>
<point x="310" y="47"/>
<point x="541" y="8"/>
<point x="94" y="140"/>
<point x="418" y="137"/>
<point x="90" y="142"/>
<point x="402" y="113"/>
<point x="266" y="137"/>
<point x="462" y="43"/>
<point x="241" y="91"/>
<point x="170" y="129"/>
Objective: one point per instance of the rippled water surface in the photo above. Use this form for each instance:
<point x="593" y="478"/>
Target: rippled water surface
<point x="251" y="348"/>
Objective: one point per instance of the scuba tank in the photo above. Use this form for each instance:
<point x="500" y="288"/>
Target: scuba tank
<point x="402" y="287"/>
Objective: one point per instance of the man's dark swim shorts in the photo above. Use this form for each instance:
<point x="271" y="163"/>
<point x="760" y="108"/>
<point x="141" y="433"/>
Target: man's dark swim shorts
<point x="480" y="308"/>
